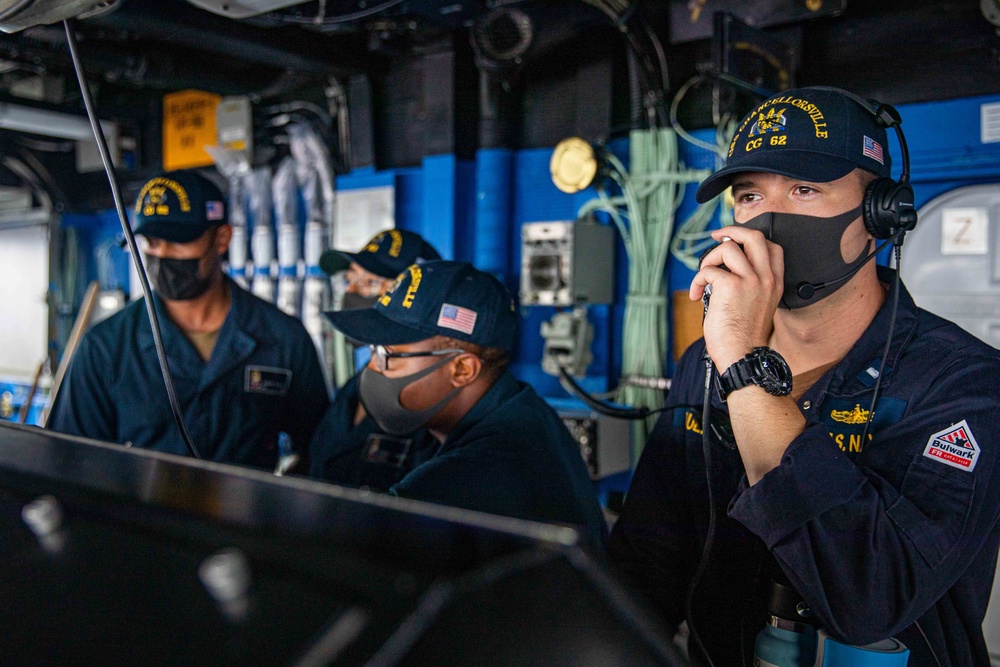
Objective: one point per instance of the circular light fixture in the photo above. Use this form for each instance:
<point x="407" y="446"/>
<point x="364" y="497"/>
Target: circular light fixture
<point x="573" y="165"/>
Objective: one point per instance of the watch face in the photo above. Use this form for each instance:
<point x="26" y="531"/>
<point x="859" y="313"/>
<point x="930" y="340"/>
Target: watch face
<point x="775" y="376"/>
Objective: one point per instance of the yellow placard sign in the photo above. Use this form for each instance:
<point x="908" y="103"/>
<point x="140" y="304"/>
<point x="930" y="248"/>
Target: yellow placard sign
<point x="189" y="124"/>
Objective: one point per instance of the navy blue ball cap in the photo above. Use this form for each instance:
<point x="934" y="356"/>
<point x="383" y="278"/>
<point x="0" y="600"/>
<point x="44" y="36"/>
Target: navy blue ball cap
<point x="179" y="206"/>
<point x="813" y="134"/>
<point x="387" y="254"/>
<point x="438" y="298"/>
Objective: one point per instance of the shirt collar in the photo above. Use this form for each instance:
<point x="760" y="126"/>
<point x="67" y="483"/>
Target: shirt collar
<point x="237" y="313"/>
<point x="857" y="371"/>
<point x="505" y="387"/>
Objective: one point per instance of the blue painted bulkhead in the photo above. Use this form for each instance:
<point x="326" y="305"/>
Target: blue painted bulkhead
<point x="473" y="211"/>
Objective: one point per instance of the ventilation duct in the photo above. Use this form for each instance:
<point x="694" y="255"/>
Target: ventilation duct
<point x="13" y="200"/>
<point x="18" y="208"/>
<point x="502" y="37"/>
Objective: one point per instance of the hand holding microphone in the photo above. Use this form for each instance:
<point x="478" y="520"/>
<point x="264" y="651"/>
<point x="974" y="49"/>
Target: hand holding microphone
<point x="745" y="272"/>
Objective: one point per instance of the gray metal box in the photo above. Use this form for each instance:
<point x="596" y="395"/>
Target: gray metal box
<point x="566" y="262"/>
<point x="234" y="124"/>
<point x="603" y="441"/>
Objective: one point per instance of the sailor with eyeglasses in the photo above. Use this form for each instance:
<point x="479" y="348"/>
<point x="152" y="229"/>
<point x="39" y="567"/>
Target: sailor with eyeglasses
<point x="441" y="417"/>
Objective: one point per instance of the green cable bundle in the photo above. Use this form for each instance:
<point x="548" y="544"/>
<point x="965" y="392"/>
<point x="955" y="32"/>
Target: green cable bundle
<point x="650" y="196"/>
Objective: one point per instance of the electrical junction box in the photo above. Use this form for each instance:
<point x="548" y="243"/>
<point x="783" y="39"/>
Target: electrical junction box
<point x="234" y="125"/>
<point x="603" y="441"/>
<point x="566" y="262"/>
<point x="567" y="343"/>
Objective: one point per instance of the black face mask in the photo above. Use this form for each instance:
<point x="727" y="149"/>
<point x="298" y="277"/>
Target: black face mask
<point x="811" y="247"/>
<point x="356" y="301"/>
<point x="176" y="279"/>
<point x="380" y="397"/>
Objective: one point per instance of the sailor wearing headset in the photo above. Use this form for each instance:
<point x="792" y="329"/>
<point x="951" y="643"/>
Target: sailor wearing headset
<point x="861" y="464"/>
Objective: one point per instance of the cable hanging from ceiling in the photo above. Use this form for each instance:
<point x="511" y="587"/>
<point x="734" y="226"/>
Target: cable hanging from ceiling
<point x="692" y="238"/>
<point x="648" y="50"/>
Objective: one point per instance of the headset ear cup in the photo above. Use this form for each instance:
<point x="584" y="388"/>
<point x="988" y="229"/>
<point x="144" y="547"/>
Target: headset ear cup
<point x="903" y="205"/>
<point x="879" y="220"/>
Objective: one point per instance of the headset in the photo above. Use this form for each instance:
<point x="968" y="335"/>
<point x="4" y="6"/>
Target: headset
<point x="887" y="207"/>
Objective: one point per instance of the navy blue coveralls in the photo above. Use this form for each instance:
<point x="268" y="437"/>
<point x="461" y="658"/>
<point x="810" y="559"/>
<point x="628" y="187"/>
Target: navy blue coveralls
<point x="361" y="455"/>
<point x="875" y="537"/>
<point x="509" y="455"/>
<point x="263" y="378"/>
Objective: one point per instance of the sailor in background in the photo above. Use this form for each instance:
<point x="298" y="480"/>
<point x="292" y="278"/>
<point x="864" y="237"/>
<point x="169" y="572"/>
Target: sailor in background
<point x="345" y="428"/>
<point x="370" y="272"/>
<point x="244" y="372"/>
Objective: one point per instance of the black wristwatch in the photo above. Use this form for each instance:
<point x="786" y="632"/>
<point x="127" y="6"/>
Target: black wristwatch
<point x="762" y="367"/>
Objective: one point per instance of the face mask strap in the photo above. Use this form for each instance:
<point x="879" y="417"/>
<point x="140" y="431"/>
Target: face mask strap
<point x="422" y="373"/>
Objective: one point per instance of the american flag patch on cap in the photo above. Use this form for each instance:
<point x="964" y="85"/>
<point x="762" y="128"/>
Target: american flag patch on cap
<point x="214" y="210"/>
<point x="873" y="149"/>
<point x="457" y="318"/>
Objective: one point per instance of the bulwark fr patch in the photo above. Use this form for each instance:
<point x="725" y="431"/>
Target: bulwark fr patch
<point x="954" y="446"/>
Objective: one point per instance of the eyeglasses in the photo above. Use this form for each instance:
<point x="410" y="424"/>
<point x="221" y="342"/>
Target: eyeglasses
<point x="382" y="355"/>
<point x="364" y="285"/>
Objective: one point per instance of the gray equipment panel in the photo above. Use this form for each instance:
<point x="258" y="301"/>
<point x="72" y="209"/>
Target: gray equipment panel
<point x="603" y="440"/>
<point x="951" y="261"/>
<point x="566" y="262"/>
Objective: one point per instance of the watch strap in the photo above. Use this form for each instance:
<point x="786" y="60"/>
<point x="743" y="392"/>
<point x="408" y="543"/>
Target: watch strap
<point x="744" y="372"/>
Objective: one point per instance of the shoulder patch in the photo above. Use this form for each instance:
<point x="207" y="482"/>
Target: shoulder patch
<point x="954" y="446"/>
